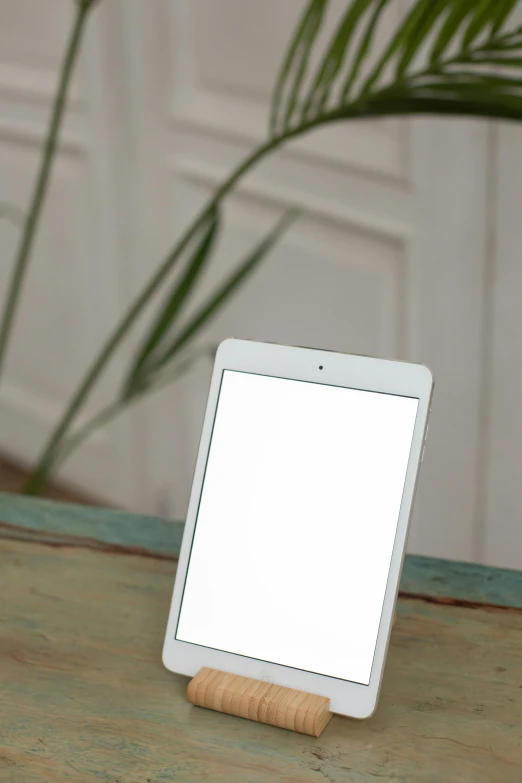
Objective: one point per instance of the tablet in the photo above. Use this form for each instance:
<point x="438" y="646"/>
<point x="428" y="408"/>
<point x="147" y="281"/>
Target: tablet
<point x="298" y="517"/>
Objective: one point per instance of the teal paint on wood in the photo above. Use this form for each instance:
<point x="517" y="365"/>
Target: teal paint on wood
<point x="421" y="575"/>
<point x="107" y="525"/>
<point x="463" y="581"/>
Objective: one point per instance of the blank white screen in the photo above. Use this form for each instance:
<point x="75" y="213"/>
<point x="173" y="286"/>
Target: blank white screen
<point x="296" y="523"/>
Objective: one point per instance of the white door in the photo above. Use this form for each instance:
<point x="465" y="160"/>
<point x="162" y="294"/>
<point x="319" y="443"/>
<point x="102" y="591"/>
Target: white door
<point x="387" y="258"/>
<point x="499" y="519"/>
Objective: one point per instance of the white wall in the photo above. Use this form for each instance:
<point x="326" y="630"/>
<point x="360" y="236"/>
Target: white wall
<point x="406" y="247"/>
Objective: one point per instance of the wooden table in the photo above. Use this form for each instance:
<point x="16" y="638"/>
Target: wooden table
<point x="84" y="695"/>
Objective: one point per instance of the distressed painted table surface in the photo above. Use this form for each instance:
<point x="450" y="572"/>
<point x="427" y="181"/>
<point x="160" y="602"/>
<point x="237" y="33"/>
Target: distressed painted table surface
<point x="84" y="696"/>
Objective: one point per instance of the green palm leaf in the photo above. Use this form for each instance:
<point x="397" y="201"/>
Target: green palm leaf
<point x="464" y="36"/>
<point x="333" y="58"/>
<point x="504" y="10"/>
<point x="404" y="39"/>
<point x="421" y="28"/>
<point x="210" y="308"/>
<point x="176" y="300"/>
<point x="364" y="48"/>
<point x="296" y="60"/>
<point x="484" y="15"/>
<point x="453" y="24"/>
<point x="446" y="57"/>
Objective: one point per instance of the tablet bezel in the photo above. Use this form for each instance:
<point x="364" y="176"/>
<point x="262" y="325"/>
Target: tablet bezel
<point x="360" y="372"/>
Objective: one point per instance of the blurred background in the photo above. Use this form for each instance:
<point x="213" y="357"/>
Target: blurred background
<point x="408" y="246"/>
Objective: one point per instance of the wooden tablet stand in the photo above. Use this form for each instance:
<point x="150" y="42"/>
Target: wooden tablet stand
<point x="245" y="697"/>
<point x="260" y="701"/>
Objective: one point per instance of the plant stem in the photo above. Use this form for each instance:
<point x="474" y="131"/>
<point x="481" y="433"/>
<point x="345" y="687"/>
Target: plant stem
<point x="116" y="407"/>
<point x="82" y="433"/>
<point x="39" y="476"/>
<point x="42" y="181"/>
<point x="47" y="459"/>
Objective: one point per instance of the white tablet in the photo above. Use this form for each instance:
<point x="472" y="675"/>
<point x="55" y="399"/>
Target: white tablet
<point x="298" y="517"/>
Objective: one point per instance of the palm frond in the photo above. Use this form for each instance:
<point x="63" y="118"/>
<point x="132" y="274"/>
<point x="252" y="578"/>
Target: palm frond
<point x="404" y="41"/>
<point x="179" y="339"/>
<point x="504" y="10"/>
<point x="364" y="48"/>
<point x="484" y="15"/>
<point x="295" y="63"/>
<point x="420" y="29"/>
<point x="173" y="305"/>
<point x="434" y="40"/>
<point x="446" y="57"/>
<point x="451" y="28"/>
<point x="333" y="59"/>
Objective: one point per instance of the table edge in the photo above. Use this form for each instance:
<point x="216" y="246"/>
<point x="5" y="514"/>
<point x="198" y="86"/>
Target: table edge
<point x="53" y="522"/>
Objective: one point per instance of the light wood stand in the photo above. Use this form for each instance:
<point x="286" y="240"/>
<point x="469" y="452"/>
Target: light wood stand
<point x="260" y="701"/>
<point x="245" y="697"/>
